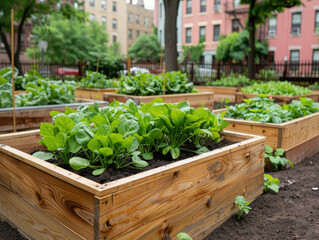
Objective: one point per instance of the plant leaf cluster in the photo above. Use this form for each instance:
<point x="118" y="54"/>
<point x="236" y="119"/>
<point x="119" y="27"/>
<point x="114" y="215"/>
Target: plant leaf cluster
<point x="276" y="157"/>
<point x="271" y="183"/>
<point x="284" y="88"/>
<point x="242" y="206"/>
<point x="231" y="81"/>
<point x="146" y="84"/>
<point x="127" y="134"/>
<point x="95" y="80"/>
<point x="263" y="109"/>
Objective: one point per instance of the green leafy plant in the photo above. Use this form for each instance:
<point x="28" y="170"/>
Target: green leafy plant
<point x="276" y="88"/>
<point x="95" y="80"/>
<point x="145" y="84"/>
<point x="231" y="81"/>
<point x="267" y="74"/>
<point x="120" y="135"/>
<point x="263" y="109"/>
<point x="314" y="86"/>
<point x="271" y="183"/>
<point x="242" y="206"/>
<point x="183" y="236"/>
<point x="276" y="157"/>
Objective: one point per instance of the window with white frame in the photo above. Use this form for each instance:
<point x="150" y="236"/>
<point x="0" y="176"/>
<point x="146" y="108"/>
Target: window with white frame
<point x="114" y="7"/>
<point x="217" y="7"/>
<point x="236" y="3"/>
<point x="272" y="26"/>
<point x="130" y="17"/>
<point x="91" y="3"/>
<point x="114" y="23"/>
<point x="296" y="24"/>
<point x="188" y="6"/>
<point x="130" y="34"/>
<point x="317" y="21"/>
<point x="137" y="19"/>
<point x="103" y="4"/>
<point x="202" y="33"/>
<point x="188" y="35"/>
<point x="216" y="33"/>
<point x="145" y="21"/>
<point x="202" y="5"/>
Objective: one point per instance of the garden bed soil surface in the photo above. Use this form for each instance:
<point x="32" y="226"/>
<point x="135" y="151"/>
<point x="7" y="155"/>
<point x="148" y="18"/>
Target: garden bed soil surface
<point x="159" y="160"/>
<point x="293" y="213"/>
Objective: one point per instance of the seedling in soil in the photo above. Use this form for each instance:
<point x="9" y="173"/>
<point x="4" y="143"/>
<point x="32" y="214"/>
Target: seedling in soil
<point x="242" y="205"/>
<point x="183" y="236"/>
<point x="271" y="183"/>
<point x="276" y="158"/>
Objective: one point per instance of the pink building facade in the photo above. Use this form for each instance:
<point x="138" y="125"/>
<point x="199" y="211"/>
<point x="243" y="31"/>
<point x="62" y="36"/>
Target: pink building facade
<point x="292" y="35"/>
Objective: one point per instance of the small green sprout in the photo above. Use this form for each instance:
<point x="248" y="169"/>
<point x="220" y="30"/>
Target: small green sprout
<point x="183" y="236"/>
<point x="276" y="158"/>
<point x="242" y="205"/>
<point x="271" y="183"/>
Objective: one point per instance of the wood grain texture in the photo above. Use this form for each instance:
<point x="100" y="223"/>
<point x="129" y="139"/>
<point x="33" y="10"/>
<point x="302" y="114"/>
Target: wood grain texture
<point x="178" y="201"/>
<point x="92" y="93"/>
<point x="67" y="204"/>
<point x="148" y="205"/>
<point x="220" y="93"/>
<point x="195" y="99"/>
<point x="27" y="217"/>
<point x="240" y="96"/>
<point x="31" y="117"/>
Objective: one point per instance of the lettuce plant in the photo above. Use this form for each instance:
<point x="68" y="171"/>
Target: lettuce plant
<point x="231" y="81"/>
<point x="271" y="183"/>
<point x="146" y="84"/>
<point x="95" y="80"/>
<point x="276" y="88"/>
<point x="123" y="135"/>
<point x="276" y="157"/>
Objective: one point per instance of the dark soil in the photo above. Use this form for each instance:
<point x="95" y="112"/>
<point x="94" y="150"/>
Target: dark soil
<point x="159" y="160"/>
<point x="293" y="213"/>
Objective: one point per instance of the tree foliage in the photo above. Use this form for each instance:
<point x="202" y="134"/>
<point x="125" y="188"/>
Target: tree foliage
<point x="235" y="47"/>
<point x="146" y="46"/>
<point x="193" y="53"/>
<point x="69" y="40"/>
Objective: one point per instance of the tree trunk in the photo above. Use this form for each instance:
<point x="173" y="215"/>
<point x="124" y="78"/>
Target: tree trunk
<point x="171" y="8"/>
<point x="252" y="37"/>
<point x="5" y="42"/>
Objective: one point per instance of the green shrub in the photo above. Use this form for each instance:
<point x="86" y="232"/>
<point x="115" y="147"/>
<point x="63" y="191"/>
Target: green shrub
<point x="231" y="81"/>
<point x="95" y="80"/>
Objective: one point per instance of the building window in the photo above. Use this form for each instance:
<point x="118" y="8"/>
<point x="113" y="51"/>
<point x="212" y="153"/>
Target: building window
<point x="146" y="21"/>
<point x="235" y="25"/>
<point x="216" y="33"/>
<point x="296" y="24"/>
<point x="161" y="11"/>
<point x="114" y="39"/>
<point x="315" y="60"/>
<point x="317" y="22"/>
<point x="114" y="6"/>
<point x="130" y="34"/>
<point x="92" y="17"/>
<point x="272" y="26"/>
<point x="160" y="36"/>
<point x="236" y="3"/>
<point x="188" y="6"/>
<point x="217" y="7"/>
<point x="137" y="33"/>
<point x="103" y="4"/>
<point x="104" y="21"/>
<point x="130" y="17"/>
<point x="202" y="33"/>
<point x="202" y="5"/>
<point x="137" y="19"/>
<point x="76" y="5"/>
<point x="114" y="23"/>
<point x="294" y="60"/>
<point x="188" y="35"/>
<point x="91" y="3"/>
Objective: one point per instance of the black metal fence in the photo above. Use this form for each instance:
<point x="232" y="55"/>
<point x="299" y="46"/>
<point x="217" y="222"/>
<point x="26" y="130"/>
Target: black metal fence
<point x="52" y="70"/>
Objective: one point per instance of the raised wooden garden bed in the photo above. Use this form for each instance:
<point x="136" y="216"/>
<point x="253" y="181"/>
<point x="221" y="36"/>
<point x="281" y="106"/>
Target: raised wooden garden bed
<point x="92" y="93"/>
<point x="220" y="93"/>
<point x="31" y="117"/>
<point x="194" y="195"/>
<point x="299" y="137"/>
<point x="240" y="96"/>
<point x="196" y="100"/>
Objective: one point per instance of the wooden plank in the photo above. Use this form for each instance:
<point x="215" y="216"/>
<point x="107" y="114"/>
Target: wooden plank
<point x="66" y="203"/>
<point x="220" y="93"/>
<point x="165" y="201"/>
<point x="93" y="93"/>
<point x="29" y="219"/>
<point x="26" y="141"/>
<point x="195" y="99"/>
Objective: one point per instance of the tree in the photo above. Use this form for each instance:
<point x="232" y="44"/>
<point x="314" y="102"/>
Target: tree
<point x="70" y="40"/>
<point x="235" y="47"/>
<point x="24" y="9"/>
<point x="259" y="11"/>
<point x="193" y="53"/>
<point x="146" y="46"/>
<point x="171" y="8"/>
